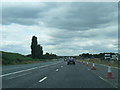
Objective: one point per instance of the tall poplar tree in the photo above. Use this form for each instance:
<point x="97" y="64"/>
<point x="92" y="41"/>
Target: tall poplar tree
<point x="34" y="47"/>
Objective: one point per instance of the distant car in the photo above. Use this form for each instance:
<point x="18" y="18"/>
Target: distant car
<point x="71" y="61"/>
<point x="107" y="57"/>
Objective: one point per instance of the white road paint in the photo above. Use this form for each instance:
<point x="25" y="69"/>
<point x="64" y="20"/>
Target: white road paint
<point x="61" y="66"/>
<point x="43" y="79"/>
<point x="17" y="72"/>
<point x="56" y="70"/>
<point x="105" y="80"/>
<point x="19" y="75"/>
<point x="27" y="69"/>
<point x="101" y="78"/>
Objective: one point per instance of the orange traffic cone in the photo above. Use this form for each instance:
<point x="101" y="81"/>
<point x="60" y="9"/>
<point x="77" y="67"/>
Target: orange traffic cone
<point x="87" y="64"/>
<point x="93" y="66"/>
<point x="109" y="73"/>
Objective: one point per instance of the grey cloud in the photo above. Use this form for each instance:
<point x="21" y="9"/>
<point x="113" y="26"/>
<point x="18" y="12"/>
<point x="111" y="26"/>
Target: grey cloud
<point x="69" y="16"/>
<point x="72" y="49"/>
<point x="82" y="16"/>
<point x="24" y="13"/>
<point x="21" y="21"/>
<point x="98" y="48"/>
<point x="17" y="48"/>
<point x="65" y="36"/>
<point x="73" y="24"/>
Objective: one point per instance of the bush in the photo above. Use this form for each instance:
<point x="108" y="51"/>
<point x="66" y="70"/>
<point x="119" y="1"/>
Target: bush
<point x="15" y="58"/>
<point x="12" y="58"/>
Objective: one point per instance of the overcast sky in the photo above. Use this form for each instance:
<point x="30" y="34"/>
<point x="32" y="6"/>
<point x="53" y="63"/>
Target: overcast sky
<point x="68" y="28"/>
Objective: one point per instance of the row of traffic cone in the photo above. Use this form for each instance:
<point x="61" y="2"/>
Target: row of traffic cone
<point x="109" y="72"/>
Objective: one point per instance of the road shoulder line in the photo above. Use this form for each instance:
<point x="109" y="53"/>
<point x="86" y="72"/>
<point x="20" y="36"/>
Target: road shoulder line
<point x="27" y="69"/>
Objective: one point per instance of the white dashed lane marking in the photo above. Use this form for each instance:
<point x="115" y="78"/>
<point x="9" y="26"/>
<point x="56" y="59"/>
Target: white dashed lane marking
<point x="61" y="66"/>
<point x="42" y="79"/>
<point x="56" y="70"/>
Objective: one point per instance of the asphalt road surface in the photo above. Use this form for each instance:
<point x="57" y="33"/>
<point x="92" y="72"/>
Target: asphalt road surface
<point x="57" y="74"/>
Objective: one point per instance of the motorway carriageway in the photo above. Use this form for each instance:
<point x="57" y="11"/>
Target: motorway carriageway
<point x="57" y="74"/>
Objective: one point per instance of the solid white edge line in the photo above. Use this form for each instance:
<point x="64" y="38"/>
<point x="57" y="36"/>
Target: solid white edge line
<point x="107" y="81"/>
<point x="101" y="78"/>
<point x="19" y="75"/>
<point x="17" y="72"/>
<point x="27" y="70"/>
<point x="42" y="79"/>
<point x="104" y="80"/>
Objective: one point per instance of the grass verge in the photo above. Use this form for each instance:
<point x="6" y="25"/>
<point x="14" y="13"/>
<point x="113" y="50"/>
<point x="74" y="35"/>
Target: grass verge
<point x="98" y="61"/>
<point x="9" y="58"/>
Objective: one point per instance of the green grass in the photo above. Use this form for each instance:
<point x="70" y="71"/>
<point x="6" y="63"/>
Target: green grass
<point x="114" y="64"/>
<point x="9" y="58"/>
<point x="98" y="61"/>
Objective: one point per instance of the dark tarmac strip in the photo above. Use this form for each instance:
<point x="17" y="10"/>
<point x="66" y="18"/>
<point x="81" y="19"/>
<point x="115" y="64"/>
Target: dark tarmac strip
<point x="59" y="75"/>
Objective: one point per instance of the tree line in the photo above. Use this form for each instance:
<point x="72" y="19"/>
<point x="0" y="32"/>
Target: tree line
<point x="100" y="55"/>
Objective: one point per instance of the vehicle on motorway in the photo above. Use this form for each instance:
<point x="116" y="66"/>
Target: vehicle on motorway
<point x="107" y="57"/>
<point x="115" y="57"/>
<point x="71" y="60"/>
